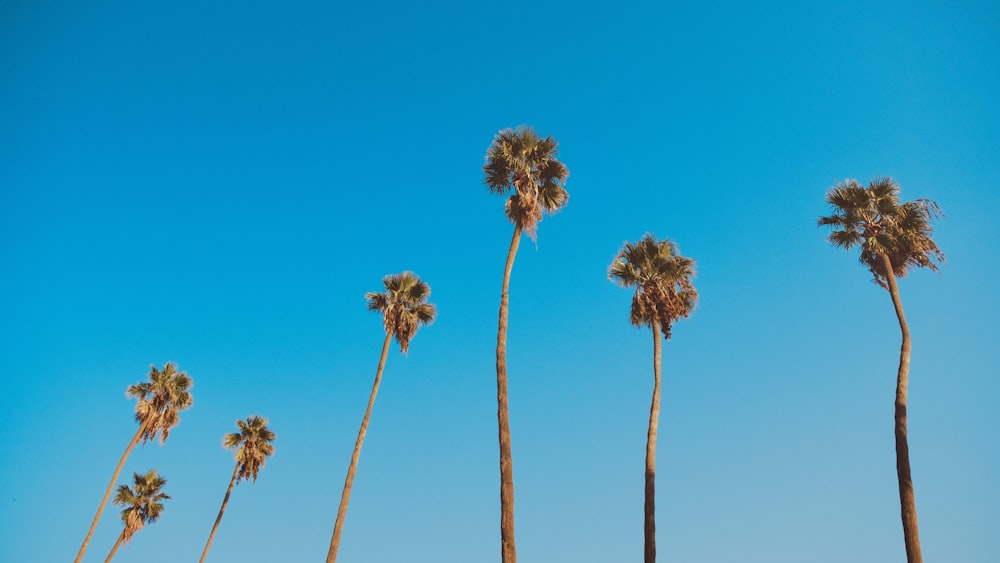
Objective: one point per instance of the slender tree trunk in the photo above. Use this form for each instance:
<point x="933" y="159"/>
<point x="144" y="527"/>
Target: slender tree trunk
<point x="907" y="501"/>
<point x="649" y="507"/>
<point x="225" y="501"/>
<point x="338" y="528"/>
<point x="107" y="493"/>
<point x="115" y="547"/>
<point x="508" y="553"/>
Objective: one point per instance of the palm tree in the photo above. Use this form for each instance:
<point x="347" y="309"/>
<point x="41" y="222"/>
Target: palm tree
<point x="142" y="505"/>
<point x="404" y="309"/>
<point x="663" y="294"/>
<point x="160" y="401"/>
<point x="521" y="162"/>
<point x="894" y="238"/>
<point x="253" y="447"/>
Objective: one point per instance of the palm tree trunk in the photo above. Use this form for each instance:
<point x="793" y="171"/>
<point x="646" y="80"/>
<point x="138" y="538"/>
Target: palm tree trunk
<point x="225" y="501"/>
<point x="649" y="507"/>
<point x="107" y="493"/>
<point x="338" y="528"/>
<point x="907" y="501"/>
<point x="508" y="553"/>
<point x="115" y="547"/>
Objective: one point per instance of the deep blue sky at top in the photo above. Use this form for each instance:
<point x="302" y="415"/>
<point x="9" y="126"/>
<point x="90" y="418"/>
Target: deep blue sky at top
<point x="218" y="184"/>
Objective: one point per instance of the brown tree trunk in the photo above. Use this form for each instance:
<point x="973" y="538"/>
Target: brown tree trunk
<point x="907" y="501"/>
<point x="107" y="494"/>
<point x="115" y="547"/>
<point x="508" y="553"/>
<point x="338" y="527"/>
<point x="649" y="507"/>
<point x="225" y="501"/>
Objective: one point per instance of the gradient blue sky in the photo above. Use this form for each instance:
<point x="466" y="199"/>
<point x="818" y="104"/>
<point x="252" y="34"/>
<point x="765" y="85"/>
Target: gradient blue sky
<point x="218" y="184"/>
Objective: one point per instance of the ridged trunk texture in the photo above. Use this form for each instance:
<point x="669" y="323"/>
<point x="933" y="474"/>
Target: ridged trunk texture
<point x="338" y="528"/>
<point x="115" y="547"/>
<point x="508" y="553"/>
<point x="907" y="501"/>
<point x="225" y="501"/>
<point x="107" y="493"/>
<point x="649" y="506"/>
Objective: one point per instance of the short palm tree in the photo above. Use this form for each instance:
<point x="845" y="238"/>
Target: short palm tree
<point x="894" y="238"/>
<point x="142" y="505"/>
<point x="160" y="401"/>
<point x="404" y="309"/>
<point x="253" y="446"/>
<point x="521" y="162"/>
<point x="664" y="293"/>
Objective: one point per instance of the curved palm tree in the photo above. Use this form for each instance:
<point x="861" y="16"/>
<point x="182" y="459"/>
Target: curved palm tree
<point x="253" y="447"/>
<point x="521" y="162"/>
<point x="404" y="309"/>
<point x="663" y="294"/>
<point x="160" y="401"/>
<point x="894" y="238"/>
<point x="142" y="505"/>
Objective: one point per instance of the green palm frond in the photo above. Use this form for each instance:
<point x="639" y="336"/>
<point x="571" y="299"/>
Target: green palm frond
<point x="425" y="313"/>
<point x="873" y="219"/>
<point x="552" y="197"/>
<point x="662" y="278"/>
<point x="376" y="301"/>
<point x="403" y="306"/>
<point x="521" y="162"/>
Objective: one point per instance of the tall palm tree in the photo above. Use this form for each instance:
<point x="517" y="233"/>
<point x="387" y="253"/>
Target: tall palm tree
<point x="142" y="505"/>
<point x="253" y="447"/>
<point x="161" y="399"/>
<point x="521" y="162"/>
<point x="894" y="238"/>
<point x="664" y="293"/>
<point x="404" y="309"/>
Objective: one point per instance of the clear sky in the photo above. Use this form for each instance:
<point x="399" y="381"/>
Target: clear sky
<point x="219" y="183"/>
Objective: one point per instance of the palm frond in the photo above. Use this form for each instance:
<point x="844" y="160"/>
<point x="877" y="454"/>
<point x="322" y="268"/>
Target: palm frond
<point x="253" y="446"/>
<point x="519" y="160"/>
<point x="403" y="306"/>
<point x="143" y="504"/>
<point x="662" y="278"/>
<point x="874" y="219"/>
<point x="160" y="401"/>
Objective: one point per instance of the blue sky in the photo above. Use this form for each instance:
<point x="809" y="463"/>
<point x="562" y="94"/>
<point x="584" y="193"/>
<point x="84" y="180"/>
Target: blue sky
<point x="219" y="185"/>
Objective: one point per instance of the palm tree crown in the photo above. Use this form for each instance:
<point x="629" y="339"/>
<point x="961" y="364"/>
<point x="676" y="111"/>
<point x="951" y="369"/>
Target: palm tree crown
<point x="143" y="504"/>
<point x="521" y="161"/>
<point x="254" y="445"/>
<point x="662" y="278"/>
<point x="873" y="218"/>
<point x="160" y="401"/>
<point x="404" y="306"/>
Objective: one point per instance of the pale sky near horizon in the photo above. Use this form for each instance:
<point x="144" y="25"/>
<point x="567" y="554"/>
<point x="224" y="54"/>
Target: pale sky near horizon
<point x="218" y="184"/>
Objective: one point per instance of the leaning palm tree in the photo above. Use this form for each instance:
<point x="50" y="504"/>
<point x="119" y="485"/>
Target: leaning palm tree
<point x="521" y="162"/>
<point x="253" y="447"/>
<point x="404" y="309"/>
<point x="894" y="238"/>
<point x="160" y="401"/>
<point x="142" y="505"/>
<point x="663" y="294"/>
